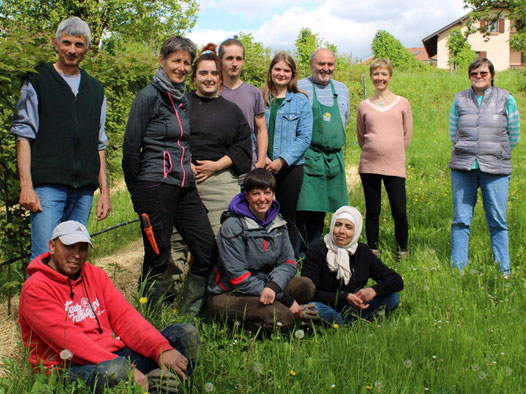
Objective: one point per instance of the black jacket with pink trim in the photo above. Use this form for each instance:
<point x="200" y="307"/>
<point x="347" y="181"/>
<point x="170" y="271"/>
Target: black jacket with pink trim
<point x="252" y="256"/>
<point x="156" y="146"/>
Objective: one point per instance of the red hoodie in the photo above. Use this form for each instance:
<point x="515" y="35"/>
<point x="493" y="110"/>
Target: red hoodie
<point x="55" y="314"/>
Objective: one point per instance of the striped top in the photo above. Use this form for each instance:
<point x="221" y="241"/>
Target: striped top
<point x="512" y="112"/>
<point x="325" y="97"/>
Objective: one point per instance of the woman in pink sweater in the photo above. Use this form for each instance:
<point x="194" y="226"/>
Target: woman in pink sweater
<point x="384" y="126"/>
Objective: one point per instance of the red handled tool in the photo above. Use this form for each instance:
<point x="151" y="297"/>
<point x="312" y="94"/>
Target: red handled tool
<point x="148" y="230"/>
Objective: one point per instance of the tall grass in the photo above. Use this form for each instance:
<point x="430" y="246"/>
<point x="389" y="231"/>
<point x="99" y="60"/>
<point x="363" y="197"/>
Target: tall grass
<point x="453" y="332"/>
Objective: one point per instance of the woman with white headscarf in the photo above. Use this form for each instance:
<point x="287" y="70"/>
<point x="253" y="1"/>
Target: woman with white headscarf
<point x="340" y="267"/>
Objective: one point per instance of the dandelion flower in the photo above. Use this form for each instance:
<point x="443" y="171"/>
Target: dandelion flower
<point x="299" y="334"/>
<point x="279" y="324"/>
<point x="482" y="375"/>
<point x="475" y="367"/>
<point x="426" y="288"/>
<point x="335" y="325"/>
<point x="258" y="368"/>
<point x="507" y="371"/>
<point x="209" y="387"/>
<point x="333" y="386"/>
<point x="143" y="300"/>
<point x="378" y="385"/>
<point x="292" y="373"/>
<point x="369" y="387"/>
<point x="408" y="363"/>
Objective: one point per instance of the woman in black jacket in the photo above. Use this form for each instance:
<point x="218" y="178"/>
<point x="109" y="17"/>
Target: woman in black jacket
<point x="340" y="267"/>
<point x="157" y="171"/>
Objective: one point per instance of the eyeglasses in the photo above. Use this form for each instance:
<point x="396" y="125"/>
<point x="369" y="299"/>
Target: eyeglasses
<point x="483" y="74"/>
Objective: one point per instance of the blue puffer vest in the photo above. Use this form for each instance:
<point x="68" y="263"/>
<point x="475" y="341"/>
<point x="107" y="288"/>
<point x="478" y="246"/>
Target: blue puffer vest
<point x="482" y="132"/>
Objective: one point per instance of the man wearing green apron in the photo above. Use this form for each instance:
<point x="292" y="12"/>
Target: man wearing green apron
<point x="324" y="186"/>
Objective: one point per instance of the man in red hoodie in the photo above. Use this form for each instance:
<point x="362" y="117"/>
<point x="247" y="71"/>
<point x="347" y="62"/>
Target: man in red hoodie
<point x="71" y="315"/>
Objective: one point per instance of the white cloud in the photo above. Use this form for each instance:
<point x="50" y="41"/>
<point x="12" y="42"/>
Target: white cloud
<point x="350" y="25"/>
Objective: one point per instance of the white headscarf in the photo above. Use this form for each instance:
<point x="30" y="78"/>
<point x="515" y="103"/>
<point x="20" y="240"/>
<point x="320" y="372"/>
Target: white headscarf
<point x="338" y="256"/>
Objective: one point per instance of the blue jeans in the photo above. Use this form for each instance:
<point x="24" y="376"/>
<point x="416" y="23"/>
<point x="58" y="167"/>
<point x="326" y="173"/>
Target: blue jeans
<point x="59" y="203"/>
<point x="346" y="313"/>
<point x="107" y="374"/>
<point x="494" y="190"/>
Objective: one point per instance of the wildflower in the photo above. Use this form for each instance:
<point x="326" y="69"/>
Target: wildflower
<point x="209" y="386"/>
<point x="507" y="371"/>
<point x="258" y="368"/>
<point x="333" y="386"/>
<point x="143" y="300"/>
<point x="482" y="375"/>
<point x="475" y="367"/>
<point x="279" y="324"/>
<point x="378" y="385"/>
<point x="434" y="357"/>
<point x="369" y="387"/>
<point x="408" y="363"/>
<point x="292" y="373"/>
<point x="335" y="325"/>
<point x="299" y="334"/>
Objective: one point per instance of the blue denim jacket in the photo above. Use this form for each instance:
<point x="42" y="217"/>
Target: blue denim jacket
<point x="293" y="128"/>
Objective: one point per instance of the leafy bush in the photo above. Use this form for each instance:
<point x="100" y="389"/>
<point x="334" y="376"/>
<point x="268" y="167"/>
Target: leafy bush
<point x="18" y="56"/>
<point x="384" y="45"/>
<point x="460" y="52"/>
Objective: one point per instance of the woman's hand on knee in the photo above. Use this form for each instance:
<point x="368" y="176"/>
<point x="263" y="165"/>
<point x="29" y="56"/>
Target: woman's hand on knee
<point x="296" y="310"/>
<point x="267" y="296"/>
<point x="356" y="302"/>
<point x="366" y="295"/>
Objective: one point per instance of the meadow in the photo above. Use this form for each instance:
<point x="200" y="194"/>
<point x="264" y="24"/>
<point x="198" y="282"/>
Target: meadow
<point x="455" y="331"/>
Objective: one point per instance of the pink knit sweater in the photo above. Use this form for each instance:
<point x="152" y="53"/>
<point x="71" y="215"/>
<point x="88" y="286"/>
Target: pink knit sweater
<point x="384" y="134"/>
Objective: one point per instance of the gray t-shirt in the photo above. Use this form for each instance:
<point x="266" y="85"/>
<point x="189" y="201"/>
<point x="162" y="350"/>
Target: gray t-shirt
<point x="324" y="95"/>
<point x="250" y="100"/>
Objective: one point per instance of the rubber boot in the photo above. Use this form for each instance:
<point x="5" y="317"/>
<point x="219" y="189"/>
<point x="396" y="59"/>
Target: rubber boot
<point x="194" y="294"/>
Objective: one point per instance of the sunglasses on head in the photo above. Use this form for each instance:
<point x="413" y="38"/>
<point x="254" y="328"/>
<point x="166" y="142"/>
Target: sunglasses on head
<point x="483" y="74"/>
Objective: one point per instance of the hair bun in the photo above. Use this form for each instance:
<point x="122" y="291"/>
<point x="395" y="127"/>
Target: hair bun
<point x="210" y="47"/>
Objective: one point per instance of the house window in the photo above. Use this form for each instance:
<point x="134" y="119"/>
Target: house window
<point x="493" y="27"/>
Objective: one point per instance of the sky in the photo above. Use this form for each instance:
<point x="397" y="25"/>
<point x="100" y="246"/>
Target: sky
<point x="348" y="24"/>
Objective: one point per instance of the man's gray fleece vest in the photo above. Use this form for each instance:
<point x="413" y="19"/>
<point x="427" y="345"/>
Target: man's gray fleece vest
<point x="482" y="132"/>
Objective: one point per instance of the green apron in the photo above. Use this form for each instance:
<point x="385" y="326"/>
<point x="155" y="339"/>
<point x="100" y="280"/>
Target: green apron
<point x="324" y="186"/>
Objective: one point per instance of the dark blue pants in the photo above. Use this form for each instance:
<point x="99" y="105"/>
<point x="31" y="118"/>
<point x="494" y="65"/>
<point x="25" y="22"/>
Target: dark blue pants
<point x="182" y="337"/>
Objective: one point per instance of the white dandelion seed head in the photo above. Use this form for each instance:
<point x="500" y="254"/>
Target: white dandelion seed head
<point x="209" y="387"/>
<point x="299" y="334"/>
<point x="482" y="375"/>
<point x="408" y="363"/>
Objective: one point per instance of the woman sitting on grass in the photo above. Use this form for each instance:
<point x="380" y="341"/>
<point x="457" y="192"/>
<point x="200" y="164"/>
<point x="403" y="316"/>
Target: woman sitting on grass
<point x="339" y="266"/>
<point x="255" y="280"/>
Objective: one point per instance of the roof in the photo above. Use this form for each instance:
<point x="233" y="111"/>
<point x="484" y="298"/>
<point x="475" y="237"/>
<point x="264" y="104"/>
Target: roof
<point x="430" y="42"/>
<point x="419" y="53"/>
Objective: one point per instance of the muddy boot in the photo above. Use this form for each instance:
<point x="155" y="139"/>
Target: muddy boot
<point x="194" y="294"/>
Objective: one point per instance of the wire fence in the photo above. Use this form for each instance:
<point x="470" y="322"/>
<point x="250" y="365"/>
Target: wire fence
<point x="15" y="259"/>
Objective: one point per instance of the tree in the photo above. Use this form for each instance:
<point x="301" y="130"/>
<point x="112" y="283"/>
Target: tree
<point x="257" y="60"/>
<point x="148" y="21"/>
<point x="306" y="43"/>
<point x="384" y="45"/>
<point x="460" y="52"/>
<point x="493" y="10"/>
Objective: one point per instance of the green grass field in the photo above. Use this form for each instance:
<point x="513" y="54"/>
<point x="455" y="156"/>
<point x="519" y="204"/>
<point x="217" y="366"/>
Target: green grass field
<point x="454" y="332"/>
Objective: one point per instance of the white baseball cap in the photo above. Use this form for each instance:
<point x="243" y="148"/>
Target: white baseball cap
<point x="71" y="232"/>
